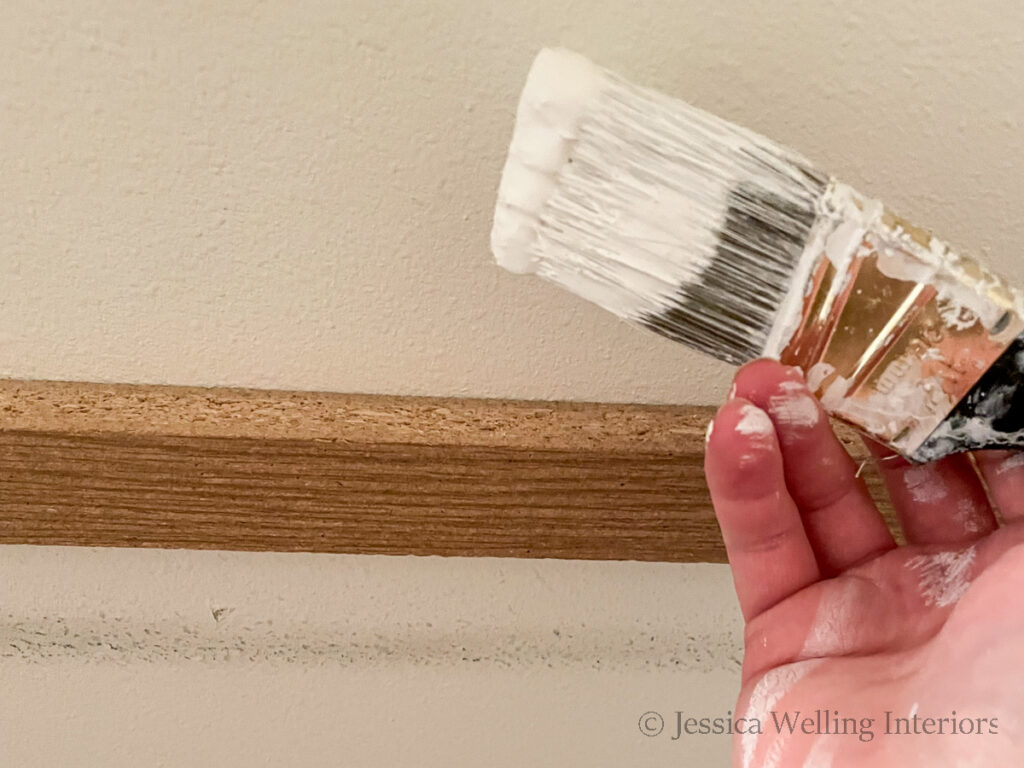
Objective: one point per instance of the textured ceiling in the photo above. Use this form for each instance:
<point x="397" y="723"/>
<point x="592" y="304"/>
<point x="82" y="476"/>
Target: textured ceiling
<point x="298" y="194"/>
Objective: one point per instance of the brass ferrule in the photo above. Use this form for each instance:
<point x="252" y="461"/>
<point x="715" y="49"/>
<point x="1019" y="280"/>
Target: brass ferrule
<point x="895" y="327"/>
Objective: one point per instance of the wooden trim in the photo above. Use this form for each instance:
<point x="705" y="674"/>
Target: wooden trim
<point x="145" y="466"/>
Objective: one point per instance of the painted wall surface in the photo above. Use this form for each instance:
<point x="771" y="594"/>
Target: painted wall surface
<point x="298" y="195"/>
<point x="137" y="658"/>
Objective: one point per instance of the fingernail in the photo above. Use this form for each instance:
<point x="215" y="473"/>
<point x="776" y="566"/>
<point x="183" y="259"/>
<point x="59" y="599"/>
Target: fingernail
<point x="708" y="431"/>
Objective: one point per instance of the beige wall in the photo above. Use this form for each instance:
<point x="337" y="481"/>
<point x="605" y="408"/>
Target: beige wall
<point x="297" y="194"/>
<point x="146" y="658"/>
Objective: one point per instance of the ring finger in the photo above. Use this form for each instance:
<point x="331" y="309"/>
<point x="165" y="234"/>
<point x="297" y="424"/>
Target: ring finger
<point x="942" y="502"/>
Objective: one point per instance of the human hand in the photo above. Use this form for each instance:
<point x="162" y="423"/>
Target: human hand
<point x="839" y="619"/>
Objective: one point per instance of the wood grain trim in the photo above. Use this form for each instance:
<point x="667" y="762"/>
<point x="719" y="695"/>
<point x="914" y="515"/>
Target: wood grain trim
<point x="145" y="466"/>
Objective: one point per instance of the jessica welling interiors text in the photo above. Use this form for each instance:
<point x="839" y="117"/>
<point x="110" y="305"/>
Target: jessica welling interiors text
<point x="819" y="722"/>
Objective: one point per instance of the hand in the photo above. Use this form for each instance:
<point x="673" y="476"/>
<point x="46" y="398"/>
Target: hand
<point x="843" y="622"/>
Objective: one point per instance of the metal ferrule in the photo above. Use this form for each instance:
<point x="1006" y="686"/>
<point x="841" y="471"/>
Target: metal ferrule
<point x="895" y="327"/>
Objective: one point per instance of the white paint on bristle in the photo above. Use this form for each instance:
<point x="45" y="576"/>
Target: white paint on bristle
<point x="619" y="193"/>
<point x="623" y="198"/>
<point x="559" y="89"/>
<point x="708" y="233"/>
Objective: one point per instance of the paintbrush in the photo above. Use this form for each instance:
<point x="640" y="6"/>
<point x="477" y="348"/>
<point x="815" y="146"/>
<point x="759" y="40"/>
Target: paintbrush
<point x="721" y="239"/>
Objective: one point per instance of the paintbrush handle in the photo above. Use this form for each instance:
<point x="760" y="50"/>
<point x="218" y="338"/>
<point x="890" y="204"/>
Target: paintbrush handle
<point x="991" y="415"/>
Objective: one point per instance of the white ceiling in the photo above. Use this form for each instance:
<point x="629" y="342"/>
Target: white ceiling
<point x="298" y="194"/>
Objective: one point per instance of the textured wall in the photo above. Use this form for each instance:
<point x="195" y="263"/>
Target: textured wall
<point x="298" y="194"/>
<point x="186" y="660"/>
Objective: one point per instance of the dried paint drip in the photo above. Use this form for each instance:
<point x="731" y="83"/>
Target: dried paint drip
<point x="943" y="577"/>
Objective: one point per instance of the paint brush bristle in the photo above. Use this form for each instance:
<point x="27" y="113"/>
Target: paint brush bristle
<point x="664" y="214"/>
<point x="719" y="238"/>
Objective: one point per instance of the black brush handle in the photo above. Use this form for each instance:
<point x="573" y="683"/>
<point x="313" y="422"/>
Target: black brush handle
<point x="991" y="415"/>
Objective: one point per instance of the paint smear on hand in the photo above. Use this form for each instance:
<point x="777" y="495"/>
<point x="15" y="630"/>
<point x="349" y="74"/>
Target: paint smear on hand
<point x="830" y="633"/>
<point x="754" y="422"/>
<point x="768" y="692"/>
<point x="968" y="515"/>
<point x="820" y="755"/>
<point x="943" y="577"/>
<point x="794" y="406"/>
<point x="1010" y="463"/>
<point x="925" y="484"/>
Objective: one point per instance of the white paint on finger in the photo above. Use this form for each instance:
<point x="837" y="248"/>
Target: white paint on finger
<point x="817" y="374"/>
<point x="968" y="515"/>
<point x="1010" y="463"/>
<point x="925" y="484"/>
<point x="754" y="422"/>
<point x="795" y="406"/>
<point x="943" y="577"/>
<point x="830" y="632"/>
